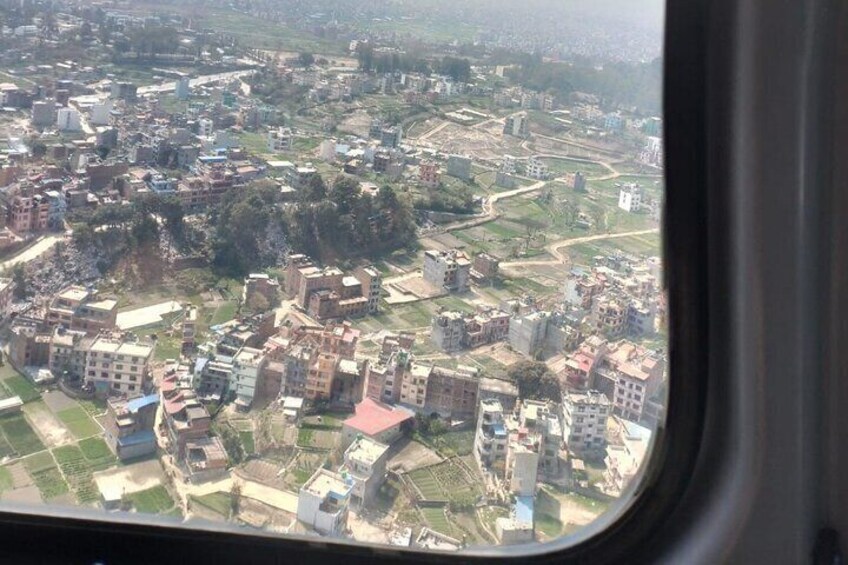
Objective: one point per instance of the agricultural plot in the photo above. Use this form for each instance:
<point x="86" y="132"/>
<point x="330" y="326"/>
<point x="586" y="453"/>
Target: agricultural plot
<point x="156" y="500"/>
<point x="79" y="461"/>
<point x="446" y="481"/>
<point x="78" y="421"/>
<point x="218" y="502"/>
<point x="437" y="520"/>
<point x="46" y="476"/>
<point x="19" y="435"/>
<point x="18" y="385"/>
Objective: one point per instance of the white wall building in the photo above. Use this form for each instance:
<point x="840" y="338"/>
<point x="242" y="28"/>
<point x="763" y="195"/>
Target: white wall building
<point x="536" y="169"/>
<point x="247" y="364"/>
<point x="101" y="113"/>
<point x="117" y="365"/>
<point x="630" y="197"/>
<point x="68" y="119"/>
<point x="491" y="439"/>
<point x="280" y="140"/>
<point x="365" y="464"/>
<point x="584" y="418"/>
<point x="323" y="502"/>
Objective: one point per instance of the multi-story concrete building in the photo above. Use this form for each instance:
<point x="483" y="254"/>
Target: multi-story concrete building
<point x="128" y="426"/>
<point x="247" y="366"/>
<point x="541" y="418"/>
<point x="117" y="365"/>
<point x="609" y="315"/>
<point x="428" y="174"/>
<point x="68" y="119"/>
<point x="7" y="290"/>
<point x="280" y="140"/>
<point x="189" y="333"/>
<point x="261" y="284"/>
<point x="459" y="166"/>
<point x="485" y="267"/>
<point x="447" y="331"/>
<point x="630" y="197"/>
<point x="580" y="364"/>
<point x="522" y="463"/>
<point x="516" y="125"/>
<point x="636" y="373"/>
<point x="365" y="463"/>
<point x="625" y="454"/>
<point x="527" y="332"/>
<point x="536" y="168"/>
<point x="184" y="418"/>
<point x="323" y="502"/>
<point x="381" y="422"/>
<point x="491" y="438"/>
<point x="79" y="309"/>
<point x="584" y="421"/>
<point x="68" y="353"/>
<point x="447" y="269"/>
<point x="372" y="286"/>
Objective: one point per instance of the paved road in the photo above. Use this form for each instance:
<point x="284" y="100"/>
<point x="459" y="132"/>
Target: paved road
<point x="560" y="257"/>
<point x="41" y="246"/>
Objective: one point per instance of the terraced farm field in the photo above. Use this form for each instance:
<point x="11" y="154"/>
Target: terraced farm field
<point x="447" y="481"/>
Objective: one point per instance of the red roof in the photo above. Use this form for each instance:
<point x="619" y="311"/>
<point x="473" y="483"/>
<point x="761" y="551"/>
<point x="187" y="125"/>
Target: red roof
<point x="373" y="417"/>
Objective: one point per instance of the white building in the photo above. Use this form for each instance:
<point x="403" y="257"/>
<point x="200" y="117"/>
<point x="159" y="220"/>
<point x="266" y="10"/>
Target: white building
<point x="7" y="287"/>
<point x="527" y="333"/>
<point x="447" y="269"/>
<point x="205" y="127"/>
<point x="624" y="458"/>
<point x="536" y="169"/>
<point x="68" y="119"/>
<point x="247" y="364"/>
<point x="101" y="113"/>
<point x="584" y="418"/>
<point x="491" y="438"/>
<point x="365" y="464"/>
<point x="522" y="464"/>
<point x="630" y="197"/>
<point x="323" y="502"/>
<point x="182" y="88"/>
<point x="117" y="365"/>
<point x="327" y="150"/>
<point x="280" y="140"/>
<point x="508" y="164"/>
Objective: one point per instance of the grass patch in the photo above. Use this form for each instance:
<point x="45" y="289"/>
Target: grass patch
<point x="305" y="437"/>
<point x="20" y="435"/>
<point x="218" y="502"/>
<point x="247" y="442"/>
<point x="94" y="407"/>
<point x="548" y="525"/>
<point x="78" y="422"/>
<point x="224" y="313"/>
<point x="46" y="475"/>
<point x="19" y="385"/>
<point x="77" y="471"/>
<point x="437" y="520"/>
<point x="6" y="481"/>
<point x="156" y="500"/>
<point x="95" y="449"/>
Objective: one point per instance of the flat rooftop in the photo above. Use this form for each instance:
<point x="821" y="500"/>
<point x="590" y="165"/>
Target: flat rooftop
<point x="325" y="482"/>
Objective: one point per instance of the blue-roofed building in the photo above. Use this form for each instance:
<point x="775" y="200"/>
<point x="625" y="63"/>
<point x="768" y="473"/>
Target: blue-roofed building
<point x="491" y="438"/>
<point x="129" y="426"/>
<point x="519" y="526"/>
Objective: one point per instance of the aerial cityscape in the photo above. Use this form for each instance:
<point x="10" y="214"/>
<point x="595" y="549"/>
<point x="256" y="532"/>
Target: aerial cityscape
<point x="388" y="272"/>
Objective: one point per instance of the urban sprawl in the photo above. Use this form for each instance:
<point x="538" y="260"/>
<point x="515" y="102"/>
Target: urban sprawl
<point x="352" y="290"/>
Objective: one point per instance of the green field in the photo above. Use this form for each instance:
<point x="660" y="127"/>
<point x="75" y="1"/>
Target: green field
<point x="264" y="34"/>
<point x="95" y="449"/>
<point x="46" y="475"/>
<point x="437" y="520"/>
<point x="224" y="313"/>
<point x="79" y="422"/>
<point x="548" y="525"/>
<point x="156" y="500"/>
<point x="19" y="385"/>
<point x="218" y="502"/>
<point x="77" y="471"/>
<point x="5" y="479"/>
<point x="20" y="435"/>
<point x="447" y="481"/>
<point x="305" y="437"/>
<point x="247" y="442"/>
<point x="450" y="443"/>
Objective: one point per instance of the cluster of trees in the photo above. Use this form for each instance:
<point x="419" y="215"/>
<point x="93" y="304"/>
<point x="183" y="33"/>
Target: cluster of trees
<point x="389" y="62"/>
<point x="120" y="231"/>
<point x="459" y="201"/>
<point x="341" y="221"/>
<point x="146" y="42"/>
<point x="535" y="381"/>
<point x="457" y="68"/>
<point x="629" y="84"/>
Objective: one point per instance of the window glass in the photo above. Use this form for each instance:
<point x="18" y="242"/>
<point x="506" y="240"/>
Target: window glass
<point x="387" y="272"/>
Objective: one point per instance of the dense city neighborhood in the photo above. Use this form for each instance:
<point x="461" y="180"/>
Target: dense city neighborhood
<point x="401" y="293"/>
